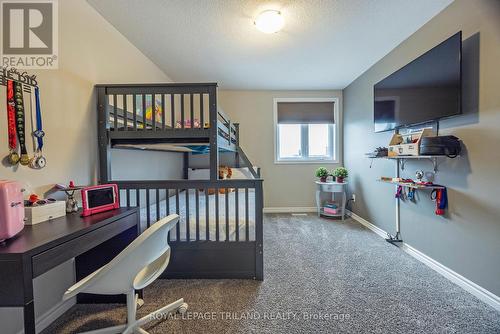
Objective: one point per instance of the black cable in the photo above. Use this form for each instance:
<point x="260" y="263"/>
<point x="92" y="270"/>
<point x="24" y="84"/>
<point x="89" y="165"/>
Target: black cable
<point x="347" y="204"/>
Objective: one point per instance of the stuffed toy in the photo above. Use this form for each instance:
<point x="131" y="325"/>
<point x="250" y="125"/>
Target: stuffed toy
<point x="187" y="124"/>
<point x="224" y="174"/>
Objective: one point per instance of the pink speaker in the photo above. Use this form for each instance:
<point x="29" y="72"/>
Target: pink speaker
<point x="11" y="209"/>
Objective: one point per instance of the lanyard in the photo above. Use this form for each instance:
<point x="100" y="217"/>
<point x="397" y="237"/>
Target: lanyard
<point x="11" y="116"/>
<point x="11" y="123"/>
<point x="39" y="131"/>
<point x="20" y="122"/>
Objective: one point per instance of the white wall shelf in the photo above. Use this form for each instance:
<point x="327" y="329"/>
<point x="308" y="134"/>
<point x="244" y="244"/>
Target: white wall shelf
<point x="404" y="158"/>
<point x="413" y="185"/>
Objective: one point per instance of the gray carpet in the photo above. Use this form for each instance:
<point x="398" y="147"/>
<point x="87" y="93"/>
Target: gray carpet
<point x="321" y="276"/>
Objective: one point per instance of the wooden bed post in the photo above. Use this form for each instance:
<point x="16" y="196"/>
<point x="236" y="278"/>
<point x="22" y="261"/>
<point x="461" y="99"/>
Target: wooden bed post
<point x="236" y="154"/>
<point x="214" y="147"/>
<point x="185" y="165"/>
<point x="259" y="235"/>
<point x="102" y="135"/>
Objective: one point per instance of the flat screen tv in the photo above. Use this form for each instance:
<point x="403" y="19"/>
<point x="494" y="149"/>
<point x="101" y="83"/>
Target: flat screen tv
<point x="425" y="90"/>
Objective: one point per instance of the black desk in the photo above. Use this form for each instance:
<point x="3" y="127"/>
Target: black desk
<point x="93" y="241"/>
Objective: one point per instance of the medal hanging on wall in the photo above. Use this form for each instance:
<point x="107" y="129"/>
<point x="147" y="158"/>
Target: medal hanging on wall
<point x="11" y="124"/>
<point x="38" y="160"/>
<point x="20" y="123"/>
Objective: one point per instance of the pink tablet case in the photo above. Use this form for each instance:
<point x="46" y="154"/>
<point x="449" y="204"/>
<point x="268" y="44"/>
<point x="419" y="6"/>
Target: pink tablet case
<point x="87" y="210"/>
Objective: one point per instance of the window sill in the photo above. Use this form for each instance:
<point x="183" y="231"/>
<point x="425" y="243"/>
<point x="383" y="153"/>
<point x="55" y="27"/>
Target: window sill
<point x="304" y="162"/>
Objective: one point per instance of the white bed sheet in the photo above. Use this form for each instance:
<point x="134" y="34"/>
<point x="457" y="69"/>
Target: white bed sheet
<point x="212" y="226"/>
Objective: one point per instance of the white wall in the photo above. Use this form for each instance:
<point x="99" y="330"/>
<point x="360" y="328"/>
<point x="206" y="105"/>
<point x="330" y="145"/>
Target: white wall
<point x="91" y="51"/>
<point x="285" y="185"/>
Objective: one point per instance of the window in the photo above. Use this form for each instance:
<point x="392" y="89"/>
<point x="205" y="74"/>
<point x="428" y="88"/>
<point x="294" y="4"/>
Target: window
<point x="305" y="130"/>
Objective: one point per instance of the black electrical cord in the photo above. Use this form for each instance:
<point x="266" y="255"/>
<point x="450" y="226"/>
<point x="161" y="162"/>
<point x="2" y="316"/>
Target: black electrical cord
<point x="347" y="204"/>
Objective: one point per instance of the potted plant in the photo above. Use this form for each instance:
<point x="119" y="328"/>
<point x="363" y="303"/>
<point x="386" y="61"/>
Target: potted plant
<point x="322" y="173"/>
<point x="340" y="174"/>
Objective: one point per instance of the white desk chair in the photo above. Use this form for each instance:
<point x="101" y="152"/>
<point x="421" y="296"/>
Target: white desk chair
<point x="137" y="266"/>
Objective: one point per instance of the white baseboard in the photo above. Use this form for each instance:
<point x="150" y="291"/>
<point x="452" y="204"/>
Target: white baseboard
<point x="55" y="312"/>
<point x="290" y="209"/>
<point x="51" y="315"/>
<point x="466" y="284"/>
<point x="478" y="291"/>
<point x="367" y="224"/>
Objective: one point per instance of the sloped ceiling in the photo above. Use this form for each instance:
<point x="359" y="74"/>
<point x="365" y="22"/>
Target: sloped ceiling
<point x="325" y="44"/>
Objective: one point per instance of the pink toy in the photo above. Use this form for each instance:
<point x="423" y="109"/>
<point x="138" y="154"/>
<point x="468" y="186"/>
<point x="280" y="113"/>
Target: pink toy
<point x="187" y="124"/>
<point x="11" y="209"/>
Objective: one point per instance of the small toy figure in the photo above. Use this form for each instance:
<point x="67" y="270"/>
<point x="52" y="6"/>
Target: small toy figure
<point x="187" y="124"/>
<point x="71" y="202"/>
<point x="419" y="174"/>
<point x="224" y="173"/>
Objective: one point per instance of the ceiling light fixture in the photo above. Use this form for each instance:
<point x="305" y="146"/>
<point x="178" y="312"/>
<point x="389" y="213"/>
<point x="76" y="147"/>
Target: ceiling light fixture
<point x="270" y="21"/>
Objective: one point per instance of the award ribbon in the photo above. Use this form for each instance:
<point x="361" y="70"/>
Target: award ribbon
<point x="39" y="134"/>
<point x="20" y="122"/>
<point x="11" y="124"/>
<point x="38" y="160"/>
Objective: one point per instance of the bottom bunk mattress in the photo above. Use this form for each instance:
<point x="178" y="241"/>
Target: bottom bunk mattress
<point x="236" y="223"/>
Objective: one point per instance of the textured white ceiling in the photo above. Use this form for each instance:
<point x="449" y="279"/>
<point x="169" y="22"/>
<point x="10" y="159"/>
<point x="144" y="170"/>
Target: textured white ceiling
<point x="325" y="44"/>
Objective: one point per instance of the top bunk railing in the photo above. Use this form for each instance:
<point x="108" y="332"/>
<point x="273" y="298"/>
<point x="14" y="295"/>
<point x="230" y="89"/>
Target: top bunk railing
<point x="184" y="109"/>
<point x="227" y="130"/>
<point x="156" y="107"/>
<point x="165" y="114"/>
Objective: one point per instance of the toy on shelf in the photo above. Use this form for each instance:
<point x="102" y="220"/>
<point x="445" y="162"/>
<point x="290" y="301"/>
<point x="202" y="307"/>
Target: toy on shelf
<point x="71" y="202"/>
<point x="419" y="174"/>
<point x="187" y="124"/>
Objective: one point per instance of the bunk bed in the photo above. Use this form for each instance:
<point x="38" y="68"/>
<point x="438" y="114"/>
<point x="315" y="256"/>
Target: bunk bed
<point x="220" y="230"/>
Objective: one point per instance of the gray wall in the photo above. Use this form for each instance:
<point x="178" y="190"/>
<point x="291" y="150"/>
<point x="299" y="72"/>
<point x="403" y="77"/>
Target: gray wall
<point x="467" y="240"/>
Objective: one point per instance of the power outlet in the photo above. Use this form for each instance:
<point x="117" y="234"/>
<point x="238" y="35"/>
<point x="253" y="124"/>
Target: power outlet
<point x="353" y="198"/>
